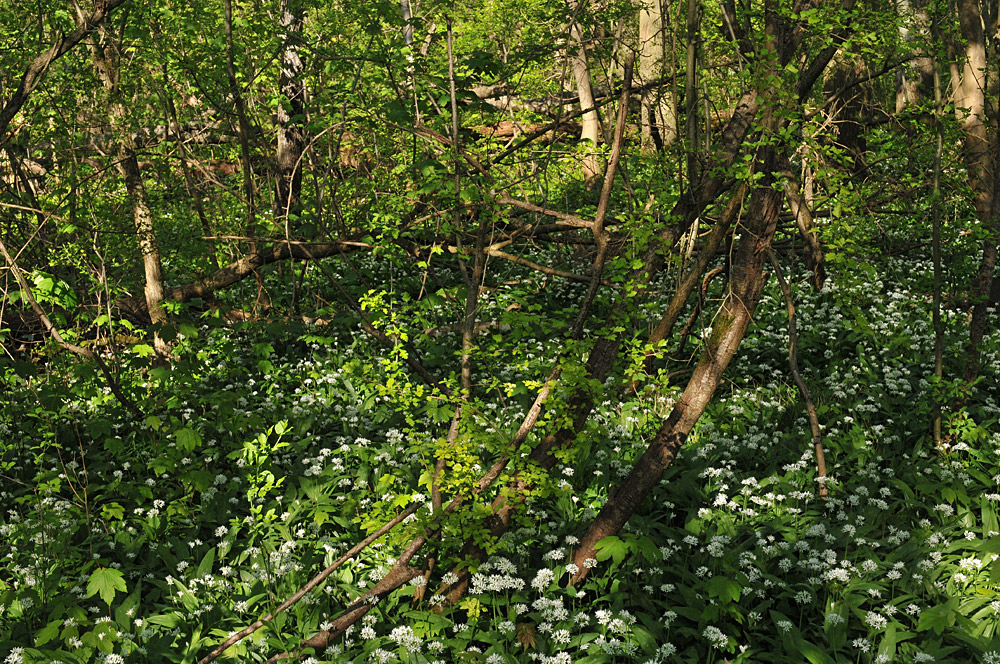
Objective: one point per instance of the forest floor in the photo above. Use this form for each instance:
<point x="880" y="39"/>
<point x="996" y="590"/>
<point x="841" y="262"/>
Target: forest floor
<point x="269" y="448"/>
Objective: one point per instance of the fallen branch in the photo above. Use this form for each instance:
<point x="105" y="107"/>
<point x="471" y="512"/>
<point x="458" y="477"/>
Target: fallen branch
<point x="543" y="268"/>
<point x="304" y="590"/>
<point x="244" y="267"/>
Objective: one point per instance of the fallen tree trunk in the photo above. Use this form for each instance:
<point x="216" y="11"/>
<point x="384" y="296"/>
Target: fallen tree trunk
<point x="244" y="267"/>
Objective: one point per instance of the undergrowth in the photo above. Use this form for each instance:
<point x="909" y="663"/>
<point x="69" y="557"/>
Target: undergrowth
<point x="270" y="448"/>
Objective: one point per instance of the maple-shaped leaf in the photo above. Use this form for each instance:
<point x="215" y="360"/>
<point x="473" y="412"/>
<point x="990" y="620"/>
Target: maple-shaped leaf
<point x="525" y="635"/>
<point x="105" y="581"/>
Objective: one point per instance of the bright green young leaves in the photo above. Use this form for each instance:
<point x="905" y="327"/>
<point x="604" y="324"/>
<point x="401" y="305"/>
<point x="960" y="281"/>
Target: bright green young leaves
<point x="107" y="582"/>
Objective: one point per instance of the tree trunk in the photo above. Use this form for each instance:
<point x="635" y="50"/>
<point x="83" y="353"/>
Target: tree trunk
<point x="981" y="163"/>
<point x="914" y="80"/>
<point x="128" y="165"/>
<point x="291" y="118"/>
<point x="936" y="257"/>
<point x="691" y="90"/>
<point x="250" y="229"/>
<point x="729" y="326"/>
<point x="591" y="124"/>
<point x="37" y="68"/>
<point x="659" y="111"/>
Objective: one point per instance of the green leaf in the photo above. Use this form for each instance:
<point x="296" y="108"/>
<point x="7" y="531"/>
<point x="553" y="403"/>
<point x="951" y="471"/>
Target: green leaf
<point x="169" y="620"/>
<point x="813" y="653"/>
<point x="105" y="581"/>
<point x="143" y="350"/>
<point x="187" y="439"/>
<point x="47" y="633"/>
<point x="205" y="567"/>
<point x="724" y="589"/>
<point x="611" y="547"/>
<point x="938" y="618"/>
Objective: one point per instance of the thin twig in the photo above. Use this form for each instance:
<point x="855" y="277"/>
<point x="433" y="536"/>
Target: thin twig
<point x="793" y="362"/>
<point x="58" y="338"/>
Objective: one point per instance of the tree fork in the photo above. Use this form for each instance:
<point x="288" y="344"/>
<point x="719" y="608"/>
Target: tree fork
<point x="731" y="323"/>
<point x="804" y="222"/>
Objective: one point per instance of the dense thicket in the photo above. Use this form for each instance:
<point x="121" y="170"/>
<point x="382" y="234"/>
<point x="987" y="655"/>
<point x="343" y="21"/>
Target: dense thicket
<point x="506" y="331"/>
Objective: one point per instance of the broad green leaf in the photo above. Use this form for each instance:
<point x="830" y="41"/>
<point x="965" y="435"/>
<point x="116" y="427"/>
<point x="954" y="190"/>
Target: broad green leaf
<point x="611" y="547"/>
<point x="47" y="633"/>
<point x="143" y="350"/>
<point x="187" y="439"/>
<point x="724" y="589"/>
<point x="106" y="581"/>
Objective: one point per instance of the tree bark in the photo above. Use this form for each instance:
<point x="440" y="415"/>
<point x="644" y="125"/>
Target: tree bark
<point x="105" y="62"/>
<point x="981" y="163"/>
<point x="250" y="228"/>
<point x="659" y="111"/>
<point x="793" y="365"/>
<point x="804" y="221"/>
<point x="936" y="257"/>
<point x="915" y="79"/>
<point x="691" y="90"/>
<point x="664" y="327"/>
<point x="38" y="67"/>
<point x="729" y="327"/>
<point x="244" y="267"/>
<point x="591" y="124"/>
<point x="291" y="119"/>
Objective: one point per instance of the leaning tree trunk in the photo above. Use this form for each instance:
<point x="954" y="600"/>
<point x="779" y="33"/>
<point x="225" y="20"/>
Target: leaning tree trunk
<point x="728" y="329"/>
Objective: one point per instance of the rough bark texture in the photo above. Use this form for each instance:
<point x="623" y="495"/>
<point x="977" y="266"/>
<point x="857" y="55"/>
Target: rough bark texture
<point x="981" y="163"/>
<point x="705" y="256"/>
<point x="658" y="120"/>
<point x="291" y="119"/>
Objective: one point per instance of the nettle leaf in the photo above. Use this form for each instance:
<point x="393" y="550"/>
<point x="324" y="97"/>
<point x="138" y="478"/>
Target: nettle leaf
<point x="106" y="581"/>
